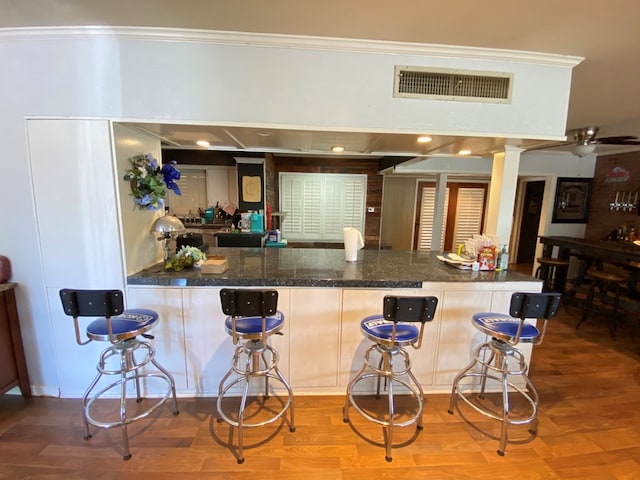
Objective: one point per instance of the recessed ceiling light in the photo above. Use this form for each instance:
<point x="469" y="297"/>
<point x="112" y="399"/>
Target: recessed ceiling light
<point x="337" y="148"/>
<point x="464" y="152"/>
<point x="424" y="139"/>
<point x="202" y="143"/>
<point x="264" y="133"/>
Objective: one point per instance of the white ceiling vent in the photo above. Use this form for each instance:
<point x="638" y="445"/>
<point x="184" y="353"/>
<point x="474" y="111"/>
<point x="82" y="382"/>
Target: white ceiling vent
<point x="460" y="85"/>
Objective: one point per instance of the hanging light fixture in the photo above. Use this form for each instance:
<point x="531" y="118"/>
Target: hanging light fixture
<point x="585" y="139"/>
<point x="583" y="149"/>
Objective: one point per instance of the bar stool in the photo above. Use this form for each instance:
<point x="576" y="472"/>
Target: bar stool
<point x="125" y="357"/>
<point x="607" y="283"/>
<point x="252" y="317"/>
<point x="498" y="359"/>
<point x="391" y="332"/>
<point x="547" y="271"/>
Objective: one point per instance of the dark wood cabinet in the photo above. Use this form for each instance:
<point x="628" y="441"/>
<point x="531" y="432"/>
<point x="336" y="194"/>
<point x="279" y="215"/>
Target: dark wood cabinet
<point x="14" y="368"/>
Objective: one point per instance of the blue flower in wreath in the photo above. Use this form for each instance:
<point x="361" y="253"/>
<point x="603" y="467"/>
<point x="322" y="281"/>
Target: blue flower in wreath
<point x="171" y="174"/>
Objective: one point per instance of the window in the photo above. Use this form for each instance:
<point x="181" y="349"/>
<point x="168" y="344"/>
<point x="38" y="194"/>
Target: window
<point x="193" y="189"/>
<point x="318" y="205"/>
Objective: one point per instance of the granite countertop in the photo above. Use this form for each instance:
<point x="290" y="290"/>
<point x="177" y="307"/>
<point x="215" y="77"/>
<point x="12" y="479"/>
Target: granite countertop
<point x="316" y="267"/>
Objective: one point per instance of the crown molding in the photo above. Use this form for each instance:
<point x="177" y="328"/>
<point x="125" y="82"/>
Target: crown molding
<point x="287" y="41"/>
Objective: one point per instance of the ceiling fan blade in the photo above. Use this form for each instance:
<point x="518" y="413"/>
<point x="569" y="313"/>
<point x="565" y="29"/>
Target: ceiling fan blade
<point x="619" y="140"/>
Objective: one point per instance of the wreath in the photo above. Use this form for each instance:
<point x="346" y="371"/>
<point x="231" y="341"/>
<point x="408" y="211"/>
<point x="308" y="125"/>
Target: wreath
<point x="148" y="187"/>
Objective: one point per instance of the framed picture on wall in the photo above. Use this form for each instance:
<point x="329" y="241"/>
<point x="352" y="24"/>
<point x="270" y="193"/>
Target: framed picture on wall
<point x="572" y="200"/>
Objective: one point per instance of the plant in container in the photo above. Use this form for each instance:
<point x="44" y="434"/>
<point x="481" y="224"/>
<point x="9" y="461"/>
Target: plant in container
<point x="186" y="257"/>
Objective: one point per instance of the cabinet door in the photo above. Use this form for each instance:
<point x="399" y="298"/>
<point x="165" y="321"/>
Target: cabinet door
<point x="169" y="333"/>
<point x="458" y="337"/>
<point x="314" y="328"/>
<point x="210" y="348"/>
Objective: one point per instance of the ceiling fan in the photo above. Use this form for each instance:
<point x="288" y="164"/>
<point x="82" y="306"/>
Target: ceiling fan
<point x="586" y="140"/>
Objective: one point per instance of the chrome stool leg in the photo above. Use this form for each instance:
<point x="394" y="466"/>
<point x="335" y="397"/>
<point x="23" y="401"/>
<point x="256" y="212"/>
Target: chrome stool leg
<point x="253" y="352"/>
<point x="124" y="368"/>
<point x="384" y="369"/>
<point x="496" y="367"/>
<point x="124" y="351"/>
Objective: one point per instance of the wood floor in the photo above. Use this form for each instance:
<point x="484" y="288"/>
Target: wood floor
<point x="589" y="428"/>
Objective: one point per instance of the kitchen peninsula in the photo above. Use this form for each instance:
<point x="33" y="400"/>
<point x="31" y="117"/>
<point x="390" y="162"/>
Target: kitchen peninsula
<point x="323" y="299"/>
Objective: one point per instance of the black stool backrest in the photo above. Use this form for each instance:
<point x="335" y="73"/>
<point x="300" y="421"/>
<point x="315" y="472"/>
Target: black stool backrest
<point x="92" y="303"/>
<point x="242" y="302"/>
<point x="409" y="309"/>
<point x="248" y="303"/>
<point x="534" y="305"/>
<point x="541" y="306"/>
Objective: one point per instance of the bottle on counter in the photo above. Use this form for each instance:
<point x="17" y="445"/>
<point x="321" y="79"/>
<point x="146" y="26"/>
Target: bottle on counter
<point x="504" y="258"/>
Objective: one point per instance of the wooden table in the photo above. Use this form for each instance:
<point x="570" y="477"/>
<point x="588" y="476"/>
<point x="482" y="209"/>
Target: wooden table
<point x="14" y="368"/>
<point x="623" y="254"/>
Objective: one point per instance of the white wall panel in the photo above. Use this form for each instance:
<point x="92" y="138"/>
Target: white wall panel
<point x="75" y="202"/>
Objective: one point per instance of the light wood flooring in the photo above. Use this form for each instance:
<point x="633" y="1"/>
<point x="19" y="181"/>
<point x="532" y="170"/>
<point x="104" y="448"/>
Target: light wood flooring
<point x="589" y="428"/>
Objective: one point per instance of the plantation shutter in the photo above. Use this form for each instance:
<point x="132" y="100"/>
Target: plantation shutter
<point x="318" y="206"/>
<point x="193" y="189"/>
<point x="468" y="219"/>
<point x="427" y="212"/>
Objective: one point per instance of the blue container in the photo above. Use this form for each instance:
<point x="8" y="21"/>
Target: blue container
<point x="257" y="223"/>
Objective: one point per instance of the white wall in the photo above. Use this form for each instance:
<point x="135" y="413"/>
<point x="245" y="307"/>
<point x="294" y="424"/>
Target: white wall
<point x="92" y="74"/>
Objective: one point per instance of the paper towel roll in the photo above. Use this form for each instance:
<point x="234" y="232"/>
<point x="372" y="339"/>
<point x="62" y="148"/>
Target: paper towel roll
<point x="352" y="243"/>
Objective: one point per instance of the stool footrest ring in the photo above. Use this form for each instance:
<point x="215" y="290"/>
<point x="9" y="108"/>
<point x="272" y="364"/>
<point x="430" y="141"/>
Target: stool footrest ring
<point x="485" y="410"/>
<point x="413" y="391"/>
<point x="159" y="402"/>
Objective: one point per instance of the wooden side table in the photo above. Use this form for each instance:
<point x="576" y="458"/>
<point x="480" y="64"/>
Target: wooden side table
<point x="14" y="368"/>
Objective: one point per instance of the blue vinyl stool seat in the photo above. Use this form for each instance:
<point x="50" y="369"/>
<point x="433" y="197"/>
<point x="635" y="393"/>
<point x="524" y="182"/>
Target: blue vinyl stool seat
<point x="125" y="357"/>
<point x="498" y="359"/>
<point x="390" y="332"/>
<point x="252" y="318"/>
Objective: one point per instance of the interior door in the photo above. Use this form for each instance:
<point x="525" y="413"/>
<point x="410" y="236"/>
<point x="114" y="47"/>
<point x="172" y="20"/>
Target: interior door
<point x="530" y="220"/>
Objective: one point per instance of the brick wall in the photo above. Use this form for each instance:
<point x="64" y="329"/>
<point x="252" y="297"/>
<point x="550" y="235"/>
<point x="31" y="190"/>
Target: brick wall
<point x="613" y="173"/>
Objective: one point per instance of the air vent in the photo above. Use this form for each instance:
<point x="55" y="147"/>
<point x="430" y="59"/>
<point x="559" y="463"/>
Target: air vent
<point x="460" y="85"/>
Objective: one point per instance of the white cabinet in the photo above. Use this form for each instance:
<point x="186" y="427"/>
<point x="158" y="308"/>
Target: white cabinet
<point x="321" y="346"/>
